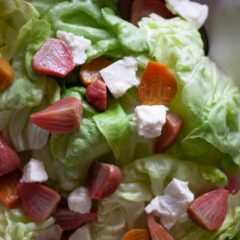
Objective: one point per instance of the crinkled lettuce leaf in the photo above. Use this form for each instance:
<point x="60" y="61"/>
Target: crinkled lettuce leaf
<point x="15" y="225"/>
<point x="86" y="19"/>
<point x="131" y="38"/>
<point x="115" y="127"/>
<point x="207" y="100"/>
<point x="144" y="179"/>
<point x="13" y="15"/>
<point x="76" y="148"/>
<point x="28" y="88"/>
<point x="29" y="91"/>
<point x="63" y="178"/>
<point x="173" y="42"/>
<point x="44" y="6"/>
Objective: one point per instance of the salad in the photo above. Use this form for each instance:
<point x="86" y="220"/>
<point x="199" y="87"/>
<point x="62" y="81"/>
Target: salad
<point x="115" y="124"/>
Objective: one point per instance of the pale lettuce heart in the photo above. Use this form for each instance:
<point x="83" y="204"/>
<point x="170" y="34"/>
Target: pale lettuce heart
<point x="15" y="225"/>
<point x="143" y="180"/>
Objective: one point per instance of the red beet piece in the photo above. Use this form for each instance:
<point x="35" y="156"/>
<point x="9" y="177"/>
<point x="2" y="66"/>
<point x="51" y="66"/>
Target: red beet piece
<point x="210" y="209"/>
<point x="97" y="95"/>
<point x="170" y="132"/>
<point x="61" y="117"/>
<point x="9" y="159"/>
<point x="103" y="180"/>
<point x="69" y="220"/>
<point x="38" y="201"/>
<point x="54" y="58"/>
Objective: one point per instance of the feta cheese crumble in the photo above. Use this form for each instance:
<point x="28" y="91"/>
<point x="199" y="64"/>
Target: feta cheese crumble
<point x="77" y="45"/>
<point x="150" y="120"/>
<point x="34" y="171"/>
<point x="120" y="76"/>
<point x="79" y="200"/>
<point x="172" y="206"/>
<point x="193" y="12"/>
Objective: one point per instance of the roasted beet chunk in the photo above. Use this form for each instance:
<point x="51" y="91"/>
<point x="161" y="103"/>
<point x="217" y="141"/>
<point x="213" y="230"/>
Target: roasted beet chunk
<point x="97" y="95"/>
<point x="38" y="201"/>
<point x="54" y="58"/>
<point x="103" y="180"/>
<point x="69" y="220"/>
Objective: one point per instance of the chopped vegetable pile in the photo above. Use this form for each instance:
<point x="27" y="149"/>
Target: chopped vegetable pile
<point x="114" y="124"/>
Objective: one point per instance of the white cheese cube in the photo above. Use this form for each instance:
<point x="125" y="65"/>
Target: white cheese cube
<point x="173" y="205"/>
<point x="82" y="233"/>
<point x="79" y="200"/>
<point x="77" y="44"/>
<point x="34" y="171"/>
<point x="120" y="76"/>
<point x="193" y="12"/>
<point x="150" y="120"/>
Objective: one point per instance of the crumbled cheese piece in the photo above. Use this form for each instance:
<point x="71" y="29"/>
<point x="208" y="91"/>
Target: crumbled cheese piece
<point x="77" y="44"/>
<point x="79" y="200"/>
<point x="172" y="206"/>
<point x="81" y="233"/>
<point x="120" y="76"/>
<point x="150" y="120"/>
<point x="34" y="171"/>
<point x="193" y="12"/>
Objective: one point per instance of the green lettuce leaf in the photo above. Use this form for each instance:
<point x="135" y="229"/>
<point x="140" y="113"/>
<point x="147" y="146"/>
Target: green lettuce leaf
<point x="13" y="15"/>
<point x="98" y="27"/>
<point x="144" y="179"/>
<point x="115" y="127"/>
<point x="29" y="91"/>
<point x="63" y="178"/>
<point x="74" y="154"/>
<point x="28" y="88"/>
<point x="131" y="38"/>
<point x="44" y="6"/>
<point x="15" y="225"/>
<point x="207" y="100"/>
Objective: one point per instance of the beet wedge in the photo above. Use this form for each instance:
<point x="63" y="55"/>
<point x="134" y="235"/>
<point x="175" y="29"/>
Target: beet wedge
<point x="170" y="132"/>
<point x="157" y="232"/>
<point x="103" y="180"/>
<point x="69" y="220"/>
<point x="54" y="58"/>
<point x="97" y="95"/>
<point x="210" y="209"/>
<point x="9" y="160"/>
<point x="9" y="189"/>
<point x="63" y="116"/>
<point x="38" y="201"/>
